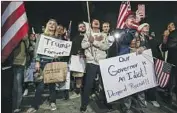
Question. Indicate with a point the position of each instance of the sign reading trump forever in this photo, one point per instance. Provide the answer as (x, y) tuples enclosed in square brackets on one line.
[(53, 47)]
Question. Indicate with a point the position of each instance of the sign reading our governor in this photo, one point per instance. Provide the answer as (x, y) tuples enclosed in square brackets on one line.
[(127, 74), (53, 47)]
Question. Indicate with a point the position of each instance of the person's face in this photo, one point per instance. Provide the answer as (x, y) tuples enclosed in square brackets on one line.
[(51, 25), (60, 30), (130, 21), (171, 27), (81, 28), (32, 37), (96, 24), (106, 27), (145, 28)]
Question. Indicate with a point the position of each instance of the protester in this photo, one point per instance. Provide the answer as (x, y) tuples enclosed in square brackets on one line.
[(106, 28), (41, 61), (170, 45), (32, 44), (144, 41), (95, 45), (59, 34), (77, 50), (19, 62), (121, 45)]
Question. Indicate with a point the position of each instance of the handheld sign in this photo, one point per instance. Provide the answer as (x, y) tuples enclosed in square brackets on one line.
[(53, 47), (127, 74)]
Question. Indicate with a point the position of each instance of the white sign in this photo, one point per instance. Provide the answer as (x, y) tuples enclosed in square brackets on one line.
[(127, 74), (65, 85), (77, 64), (53, 47)]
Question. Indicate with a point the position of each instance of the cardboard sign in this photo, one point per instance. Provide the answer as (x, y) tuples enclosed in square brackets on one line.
[(127, 74), (65, 85), (53, 47), (55, 72), (77, 64)]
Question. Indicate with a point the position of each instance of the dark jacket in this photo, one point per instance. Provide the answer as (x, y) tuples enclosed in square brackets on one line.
[(122, 44), (171, 47), (76, 45)]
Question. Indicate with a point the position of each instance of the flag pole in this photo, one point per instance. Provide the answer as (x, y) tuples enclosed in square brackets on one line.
[(33, 30), (88, 12)]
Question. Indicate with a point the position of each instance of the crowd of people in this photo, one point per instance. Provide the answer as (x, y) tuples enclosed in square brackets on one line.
[(96, 45)]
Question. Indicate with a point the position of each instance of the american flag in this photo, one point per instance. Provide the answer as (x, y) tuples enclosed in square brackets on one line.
[(14, 26), (125, 8), (162, 70)]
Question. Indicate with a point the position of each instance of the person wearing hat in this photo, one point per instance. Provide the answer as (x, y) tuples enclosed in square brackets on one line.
[(142, 42), (124, 42)]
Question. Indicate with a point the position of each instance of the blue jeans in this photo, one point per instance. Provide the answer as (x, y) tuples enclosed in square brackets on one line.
[(17, 86), (40, 89)]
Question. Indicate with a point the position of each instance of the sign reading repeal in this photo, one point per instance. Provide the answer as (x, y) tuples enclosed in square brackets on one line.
[(53, 47), (127, 74)]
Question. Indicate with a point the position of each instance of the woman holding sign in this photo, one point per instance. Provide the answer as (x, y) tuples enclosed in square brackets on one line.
[(41, 61)]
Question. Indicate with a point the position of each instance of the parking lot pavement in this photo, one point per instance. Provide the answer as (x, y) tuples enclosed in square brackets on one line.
[(95, 106)]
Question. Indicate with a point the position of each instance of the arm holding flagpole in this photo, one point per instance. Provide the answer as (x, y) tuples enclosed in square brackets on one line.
[(90, 38)]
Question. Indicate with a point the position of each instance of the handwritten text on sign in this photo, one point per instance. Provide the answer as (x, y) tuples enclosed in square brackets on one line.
[(53, 47), (127, 74)]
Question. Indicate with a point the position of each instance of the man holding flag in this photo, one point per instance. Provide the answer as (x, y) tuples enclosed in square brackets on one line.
[(14, 28)]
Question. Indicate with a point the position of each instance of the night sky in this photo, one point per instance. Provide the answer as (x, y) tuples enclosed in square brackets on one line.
[(38, 12)]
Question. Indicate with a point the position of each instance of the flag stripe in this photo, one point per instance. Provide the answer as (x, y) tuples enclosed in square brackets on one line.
[(12, 18), (163, 79), (162, 70), (9, 10), (122, 17), (124, 9), (159, 66), (14, 41), (4, 6), (13, 30), (166, 81)]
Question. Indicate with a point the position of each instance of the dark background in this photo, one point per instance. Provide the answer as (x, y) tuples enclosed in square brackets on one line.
[(158, 14)]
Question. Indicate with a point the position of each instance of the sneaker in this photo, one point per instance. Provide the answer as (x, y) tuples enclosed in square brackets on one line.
[(53, 106), (17, 110), (31, 110), (74, 96), (83, 109), (25, 92), (155, 103)]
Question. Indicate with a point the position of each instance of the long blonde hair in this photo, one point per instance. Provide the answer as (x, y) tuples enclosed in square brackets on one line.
[(47, 32)]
